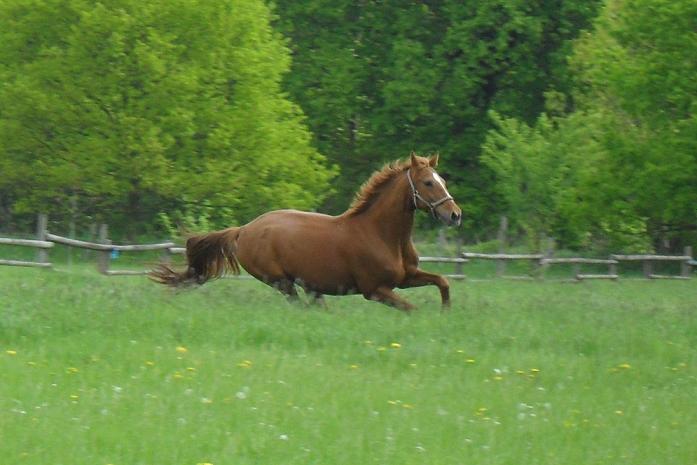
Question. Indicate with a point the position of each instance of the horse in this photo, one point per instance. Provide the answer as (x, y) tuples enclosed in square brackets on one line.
[(368, 249)]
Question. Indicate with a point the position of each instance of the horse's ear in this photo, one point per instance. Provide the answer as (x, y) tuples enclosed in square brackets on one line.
[(433, 160), (414, 160)]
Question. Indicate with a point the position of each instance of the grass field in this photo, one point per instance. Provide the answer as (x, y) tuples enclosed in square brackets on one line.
[(97, 371)]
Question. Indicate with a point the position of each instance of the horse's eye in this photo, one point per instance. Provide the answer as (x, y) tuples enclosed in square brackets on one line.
[(428, 183)]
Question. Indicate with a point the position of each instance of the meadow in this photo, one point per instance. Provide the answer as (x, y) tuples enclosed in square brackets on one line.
[(97, 371)]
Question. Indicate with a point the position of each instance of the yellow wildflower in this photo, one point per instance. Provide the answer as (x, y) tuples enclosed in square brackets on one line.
[(395, 345), (245, 364), (11, 352), (181, 349)]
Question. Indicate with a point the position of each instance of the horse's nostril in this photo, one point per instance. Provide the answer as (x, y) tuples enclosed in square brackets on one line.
[(454, 217)]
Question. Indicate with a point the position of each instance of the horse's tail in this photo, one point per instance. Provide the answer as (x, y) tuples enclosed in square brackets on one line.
[(208, 256)]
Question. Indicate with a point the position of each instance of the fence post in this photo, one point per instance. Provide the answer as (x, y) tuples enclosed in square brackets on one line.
[(103, 255), (458, 253), (612, 268), (548, 253), (503, 228), (87, 253), (648, 268), (166, 256), (41, 227), (71, 235), (685, 267)]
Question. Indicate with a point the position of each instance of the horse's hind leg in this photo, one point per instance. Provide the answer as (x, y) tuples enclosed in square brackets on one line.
[(287, 288), (317, 299), (388, 297)]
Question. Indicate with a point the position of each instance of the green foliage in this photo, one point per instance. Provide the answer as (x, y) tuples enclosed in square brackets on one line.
[(557, 180), (102, 370), (123, 110), (127, 104), (191, 219), (379, 79), (618, 172), (639, 65)]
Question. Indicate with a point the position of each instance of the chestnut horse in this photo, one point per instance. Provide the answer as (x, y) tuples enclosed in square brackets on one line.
[(367, 249)]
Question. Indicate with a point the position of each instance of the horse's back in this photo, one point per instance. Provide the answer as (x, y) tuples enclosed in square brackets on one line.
[(292, 225)]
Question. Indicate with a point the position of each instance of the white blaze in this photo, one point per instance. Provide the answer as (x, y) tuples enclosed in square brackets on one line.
[(440, 181)]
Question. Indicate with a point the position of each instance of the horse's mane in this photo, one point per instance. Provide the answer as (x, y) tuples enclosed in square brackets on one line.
[(374, 186)]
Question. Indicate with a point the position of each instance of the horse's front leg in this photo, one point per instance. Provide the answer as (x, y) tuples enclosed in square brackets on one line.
[(389, 297), (424, 278)]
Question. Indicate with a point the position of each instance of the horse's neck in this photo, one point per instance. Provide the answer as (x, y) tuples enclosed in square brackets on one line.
[(391, 215)]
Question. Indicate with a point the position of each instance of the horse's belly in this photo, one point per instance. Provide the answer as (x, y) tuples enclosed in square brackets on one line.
[(308, 248), (328, 284), (321, 269)]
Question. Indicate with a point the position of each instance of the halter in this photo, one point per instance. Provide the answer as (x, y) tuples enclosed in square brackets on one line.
[(431, 205)]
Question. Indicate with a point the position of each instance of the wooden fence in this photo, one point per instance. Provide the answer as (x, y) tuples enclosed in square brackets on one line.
[(542, 262), (45, 241)]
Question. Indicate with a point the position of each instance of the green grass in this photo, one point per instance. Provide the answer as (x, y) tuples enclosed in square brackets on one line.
[(516, 373)]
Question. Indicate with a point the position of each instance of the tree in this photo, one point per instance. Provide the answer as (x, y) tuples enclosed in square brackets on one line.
[(639, 65), (379, 79), (628, 154), (129, 106), (557, 179)]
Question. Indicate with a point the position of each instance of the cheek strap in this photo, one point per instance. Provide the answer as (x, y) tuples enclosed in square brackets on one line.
[(416, 196)]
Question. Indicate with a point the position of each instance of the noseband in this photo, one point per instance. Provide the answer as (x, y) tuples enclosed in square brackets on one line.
[(416, 196)]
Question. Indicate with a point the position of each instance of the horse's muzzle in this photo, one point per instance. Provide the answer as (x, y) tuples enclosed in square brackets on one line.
[(455, 219), (451, 216)]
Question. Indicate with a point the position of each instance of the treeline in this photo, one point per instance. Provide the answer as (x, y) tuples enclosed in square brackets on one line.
[(574, 118), (612, 163), (149, 113)]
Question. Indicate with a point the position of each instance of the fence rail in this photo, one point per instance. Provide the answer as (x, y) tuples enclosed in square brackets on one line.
[(579, 261), (540, 262), (648, 260), (644, 258), (26, 243), (502, 256), (109, 247), (25, 263)]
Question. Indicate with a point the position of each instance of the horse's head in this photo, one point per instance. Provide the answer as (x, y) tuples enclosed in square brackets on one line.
[(429, 192)]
